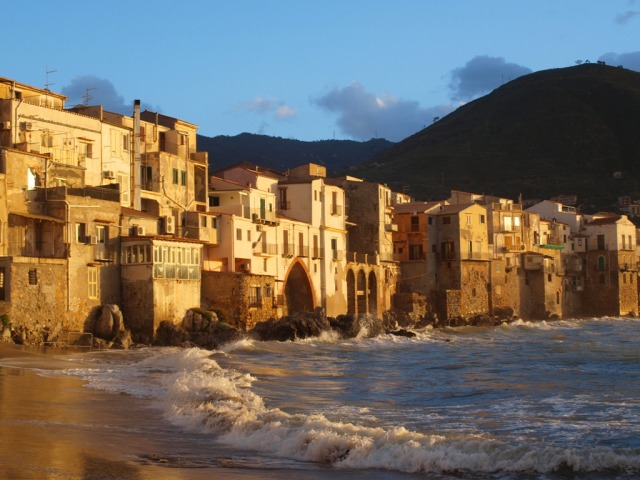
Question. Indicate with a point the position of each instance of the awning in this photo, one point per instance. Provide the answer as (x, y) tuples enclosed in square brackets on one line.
[(34, 216), (549, 246)]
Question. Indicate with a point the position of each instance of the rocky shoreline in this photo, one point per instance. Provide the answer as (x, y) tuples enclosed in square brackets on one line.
[(105, 329)]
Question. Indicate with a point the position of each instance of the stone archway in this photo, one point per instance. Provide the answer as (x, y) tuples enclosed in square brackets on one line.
[(351, 293), (373, 294), (298, 291)]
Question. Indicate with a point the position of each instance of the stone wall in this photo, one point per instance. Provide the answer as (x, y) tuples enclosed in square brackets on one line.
[(229, 293), (137, 306), (41, 302), (475, 295)]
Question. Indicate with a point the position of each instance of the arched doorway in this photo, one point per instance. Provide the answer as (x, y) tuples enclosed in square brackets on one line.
[(351, 293), (373, 294), (298, 291)]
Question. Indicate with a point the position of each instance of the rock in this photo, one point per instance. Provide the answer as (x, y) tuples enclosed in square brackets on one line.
[(6, 336), (123, 341), (403, 333), (170, 335), (109, 322), (196, 320), (352, 326), (297, 326)]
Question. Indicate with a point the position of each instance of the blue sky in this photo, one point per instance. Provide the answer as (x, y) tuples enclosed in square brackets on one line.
[(305, 69)]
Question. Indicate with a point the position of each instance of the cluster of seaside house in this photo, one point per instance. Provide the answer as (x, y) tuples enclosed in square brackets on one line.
[(101, 208)]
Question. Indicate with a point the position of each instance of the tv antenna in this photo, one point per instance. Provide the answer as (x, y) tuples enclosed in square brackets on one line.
[(86, 98), (46, 73)]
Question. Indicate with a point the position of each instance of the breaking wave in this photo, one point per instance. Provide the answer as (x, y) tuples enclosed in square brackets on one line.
[(199, 395)]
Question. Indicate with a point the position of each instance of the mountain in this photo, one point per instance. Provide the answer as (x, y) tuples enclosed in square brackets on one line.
[(573, 130), (280, 153)]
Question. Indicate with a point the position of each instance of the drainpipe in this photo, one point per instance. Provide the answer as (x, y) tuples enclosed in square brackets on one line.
[(137, 164)]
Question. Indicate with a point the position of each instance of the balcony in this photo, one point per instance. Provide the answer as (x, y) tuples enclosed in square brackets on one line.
[(336, 210), (478, 256), (390, 227), (199, 157), (337, 255), (317, 252), (267, 249), (259, 215)]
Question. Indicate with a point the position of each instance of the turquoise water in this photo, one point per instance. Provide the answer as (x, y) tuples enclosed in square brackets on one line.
[(544, 400)]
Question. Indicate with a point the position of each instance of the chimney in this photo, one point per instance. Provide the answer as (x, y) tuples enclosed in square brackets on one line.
[(137, 170)]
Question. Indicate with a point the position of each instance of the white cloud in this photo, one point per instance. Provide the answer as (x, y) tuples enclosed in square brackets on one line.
[(481, 75), (364, 115), (269, 106), (93, 90), (283, 112), (630, 60)]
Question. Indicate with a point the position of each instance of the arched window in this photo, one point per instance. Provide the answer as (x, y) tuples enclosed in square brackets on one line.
[(602, 263)]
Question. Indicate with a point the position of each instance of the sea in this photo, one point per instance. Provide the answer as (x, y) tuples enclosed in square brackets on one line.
[(522, 401)]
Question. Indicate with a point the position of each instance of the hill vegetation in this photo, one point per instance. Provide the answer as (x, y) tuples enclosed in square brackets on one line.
[(281, 154), (564, 131), (569, 131)]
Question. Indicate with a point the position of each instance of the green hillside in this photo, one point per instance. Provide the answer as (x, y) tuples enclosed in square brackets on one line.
[(551, 132), (280, 153)]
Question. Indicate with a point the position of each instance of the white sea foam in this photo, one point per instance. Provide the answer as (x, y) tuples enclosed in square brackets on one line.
[(202, 396)]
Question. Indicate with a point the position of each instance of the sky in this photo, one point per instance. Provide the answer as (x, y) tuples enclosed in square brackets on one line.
[(305, 69)]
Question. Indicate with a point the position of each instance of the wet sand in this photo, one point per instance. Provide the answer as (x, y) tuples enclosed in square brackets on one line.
[(52, 427)]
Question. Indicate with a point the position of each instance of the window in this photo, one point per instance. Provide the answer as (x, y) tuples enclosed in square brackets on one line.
[(415, 223), (446, 220), (334, 248), (238, 234), (285, 242), (248, 235), (448, 251), (468, 218), (203, 221), (508, 224), (125, 142), (602, 265), (214, 201), (33, 276), (284, 204), (516, 221), (183, 178), (415, 252), (482, 220), (92, 282), (123, 181), (316, 249), (46, 139), (32, 179), (101, 234), (255, 296), (430, 220), (601, 245), (301, 244), (81, 232), (175, 176)]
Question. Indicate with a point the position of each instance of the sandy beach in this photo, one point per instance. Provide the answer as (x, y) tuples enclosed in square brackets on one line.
[(53, 427)]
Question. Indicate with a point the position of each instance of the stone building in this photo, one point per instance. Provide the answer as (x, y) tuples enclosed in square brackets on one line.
[(373, 267), (611, 283), (462, 275)]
